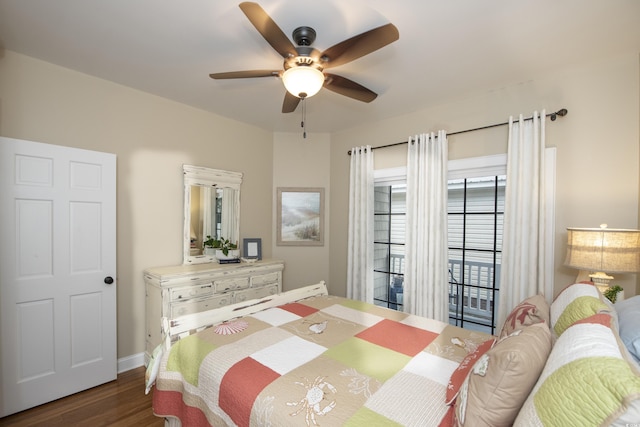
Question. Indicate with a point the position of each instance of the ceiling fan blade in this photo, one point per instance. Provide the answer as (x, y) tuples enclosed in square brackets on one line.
[(359, 46), (268, 29), (346, 87), (290, 103), (245, 74)]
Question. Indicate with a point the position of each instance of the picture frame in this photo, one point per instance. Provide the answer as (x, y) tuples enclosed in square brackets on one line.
[(300, 216), (252, 248)]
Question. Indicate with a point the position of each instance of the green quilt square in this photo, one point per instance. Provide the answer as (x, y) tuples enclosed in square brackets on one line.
[(374, 309), (368, 359), (356, 305), (367, 417), (186, 356)]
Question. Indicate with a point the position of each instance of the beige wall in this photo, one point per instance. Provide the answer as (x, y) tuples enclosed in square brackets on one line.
[(597, 149), (597, 178), (300, 162), (152, 138)]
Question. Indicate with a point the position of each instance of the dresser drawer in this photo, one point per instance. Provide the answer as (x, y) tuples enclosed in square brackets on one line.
[(190, 307), (189, 292), (265, 279), (233, 284), (254, 293)]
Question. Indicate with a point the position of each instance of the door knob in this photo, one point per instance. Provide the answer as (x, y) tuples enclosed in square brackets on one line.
[(108, 280)]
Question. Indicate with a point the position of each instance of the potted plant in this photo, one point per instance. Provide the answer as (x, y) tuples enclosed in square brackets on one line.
[(224, 249), (612, 293), (210, 245)]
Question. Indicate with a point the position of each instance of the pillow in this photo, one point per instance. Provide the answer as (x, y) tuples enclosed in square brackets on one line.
[(586, 381), (629, 324), (458, 376), (612, 311), (156, 355), (578, 309), (152, 368), (569, 294), (503, 377), (532, 310)]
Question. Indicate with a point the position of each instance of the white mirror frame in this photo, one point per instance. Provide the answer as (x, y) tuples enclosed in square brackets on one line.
[(206, 177)]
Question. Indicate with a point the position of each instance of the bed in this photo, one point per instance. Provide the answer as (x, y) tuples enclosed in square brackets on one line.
[(306, 358)]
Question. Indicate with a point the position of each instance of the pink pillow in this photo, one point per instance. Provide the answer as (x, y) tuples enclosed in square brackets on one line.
[(460, 374)]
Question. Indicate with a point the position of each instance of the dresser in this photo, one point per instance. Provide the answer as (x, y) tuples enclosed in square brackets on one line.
[(185, 289)]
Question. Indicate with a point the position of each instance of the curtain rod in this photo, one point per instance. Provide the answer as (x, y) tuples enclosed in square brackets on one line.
[(553, 116)]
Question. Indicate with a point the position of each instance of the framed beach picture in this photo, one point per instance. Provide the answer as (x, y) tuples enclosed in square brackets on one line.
[(300, 217)]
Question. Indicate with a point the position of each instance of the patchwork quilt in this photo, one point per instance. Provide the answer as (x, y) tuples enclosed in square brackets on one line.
[(325, 360)]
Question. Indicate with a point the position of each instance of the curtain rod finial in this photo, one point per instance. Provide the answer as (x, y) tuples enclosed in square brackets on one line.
[(562, 112)]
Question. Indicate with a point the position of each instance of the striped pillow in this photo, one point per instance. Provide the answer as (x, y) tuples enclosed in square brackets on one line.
[(587, 381), (575, 302)]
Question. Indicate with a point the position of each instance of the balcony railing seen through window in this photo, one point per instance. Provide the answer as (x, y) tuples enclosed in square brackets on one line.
[(475, 212)]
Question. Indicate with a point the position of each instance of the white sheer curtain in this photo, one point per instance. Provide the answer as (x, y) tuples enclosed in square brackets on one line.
[(525, 269), (426, 283), (360, 238), (207, 210), (229, 221)]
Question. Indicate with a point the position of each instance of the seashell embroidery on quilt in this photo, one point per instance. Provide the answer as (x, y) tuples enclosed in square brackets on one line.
[(467, 344), (229, 328), (360, 383), (318, 328)]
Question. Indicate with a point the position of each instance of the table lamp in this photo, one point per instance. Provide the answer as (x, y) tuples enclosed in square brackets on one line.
[(600, 250)]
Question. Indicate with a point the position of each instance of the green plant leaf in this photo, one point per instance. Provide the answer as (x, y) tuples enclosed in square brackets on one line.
[(612, 293)]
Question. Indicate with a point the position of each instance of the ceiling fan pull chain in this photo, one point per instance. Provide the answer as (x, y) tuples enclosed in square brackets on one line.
[(304, 118)]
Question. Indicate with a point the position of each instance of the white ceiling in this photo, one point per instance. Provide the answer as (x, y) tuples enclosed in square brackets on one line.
[(447, 48)]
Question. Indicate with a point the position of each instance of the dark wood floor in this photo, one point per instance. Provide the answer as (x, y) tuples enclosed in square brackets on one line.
[(118, 403)]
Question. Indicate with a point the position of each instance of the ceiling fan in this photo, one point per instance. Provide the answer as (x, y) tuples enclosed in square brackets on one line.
[(303, 71)]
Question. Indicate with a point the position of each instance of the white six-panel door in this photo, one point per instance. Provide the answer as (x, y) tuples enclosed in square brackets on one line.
[(57, 257)]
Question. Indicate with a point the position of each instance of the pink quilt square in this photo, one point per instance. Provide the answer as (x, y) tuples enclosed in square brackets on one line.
[(299, 309), (241, 385), (399, 337)]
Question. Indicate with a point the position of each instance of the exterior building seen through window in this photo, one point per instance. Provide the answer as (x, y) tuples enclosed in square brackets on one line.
[(475, 223)]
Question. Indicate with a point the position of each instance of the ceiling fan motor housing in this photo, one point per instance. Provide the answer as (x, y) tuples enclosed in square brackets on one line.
[(301, 61), (304, 36)]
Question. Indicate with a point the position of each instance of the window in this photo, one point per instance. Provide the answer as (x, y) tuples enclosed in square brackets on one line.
[(475, 211), (389, 236), (475, 222)]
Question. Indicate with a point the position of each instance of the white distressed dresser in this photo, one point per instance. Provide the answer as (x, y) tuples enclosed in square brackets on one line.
[(185, 289)]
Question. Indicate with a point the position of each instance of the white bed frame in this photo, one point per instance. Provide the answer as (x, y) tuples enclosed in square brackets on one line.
[(174, 328)]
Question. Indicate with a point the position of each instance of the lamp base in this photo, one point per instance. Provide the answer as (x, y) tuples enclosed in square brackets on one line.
[(601, 280)]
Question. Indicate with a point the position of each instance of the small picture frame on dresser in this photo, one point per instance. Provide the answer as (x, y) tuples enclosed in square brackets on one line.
[(252, 248)]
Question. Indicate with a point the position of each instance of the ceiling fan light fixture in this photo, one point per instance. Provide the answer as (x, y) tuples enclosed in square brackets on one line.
[(303, 81)]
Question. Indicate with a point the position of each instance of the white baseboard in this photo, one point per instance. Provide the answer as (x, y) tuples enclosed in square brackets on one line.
[(130, 362)]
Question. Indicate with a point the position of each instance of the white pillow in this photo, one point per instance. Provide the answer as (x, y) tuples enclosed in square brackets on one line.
[(153, 368)]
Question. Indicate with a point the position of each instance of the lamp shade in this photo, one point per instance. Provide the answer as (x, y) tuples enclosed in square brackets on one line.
[(603, 249), (303, 81)]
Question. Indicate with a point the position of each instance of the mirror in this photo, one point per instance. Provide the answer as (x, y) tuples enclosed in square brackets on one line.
[(211, 208)]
